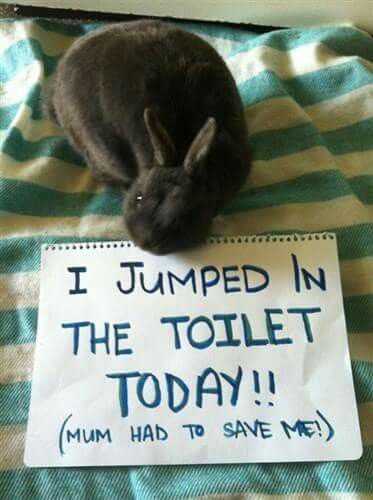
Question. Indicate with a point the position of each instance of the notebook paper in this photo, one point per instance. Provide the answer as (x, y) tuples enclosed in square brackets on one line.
[(233, 352)]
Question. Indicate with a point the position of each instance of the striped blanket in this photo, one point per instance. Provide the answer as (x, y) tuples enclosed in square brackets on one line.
[(309, 104)]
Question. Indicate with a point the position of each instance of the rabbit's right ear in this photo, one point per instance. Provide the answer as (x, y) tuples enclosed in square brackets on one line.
[(163, 147), (200, 147)]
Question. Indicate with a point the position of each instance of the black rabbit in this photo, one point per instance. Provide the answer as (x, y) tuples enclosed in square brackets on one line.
[(155, 109)]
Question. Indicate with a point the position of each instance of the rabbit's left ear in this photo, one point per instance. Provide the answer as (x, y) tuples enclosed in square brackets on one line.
[(163, 147), (200, 146)]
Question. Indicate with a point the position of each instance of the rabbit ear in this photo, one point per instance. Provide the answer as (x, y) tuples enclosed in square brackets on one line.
[(164, 149), (200, 146)]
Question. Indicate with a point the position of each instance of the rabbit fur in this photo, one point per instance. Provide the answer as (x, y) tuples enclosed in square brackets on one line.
[(154, 109)]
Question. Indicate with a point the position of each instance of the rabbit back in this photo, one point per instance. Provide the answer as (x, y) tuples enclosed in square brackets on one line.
[(108, 77)]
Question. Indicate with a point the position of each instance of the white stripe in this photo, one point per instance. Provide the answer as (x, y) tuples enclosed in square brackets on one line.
[(305, 59), (357, 276), (15, 90), (222, 45), (12, 443), (93, 226), (316, 159), (52, 43), (12, 439), (312, 217), (366, 422), (16, 361), (32, 130), (50, 173), (357, 163), (274, 114), (19, 290), (344, 110), (284, 112), (361, 347), (340, 212)]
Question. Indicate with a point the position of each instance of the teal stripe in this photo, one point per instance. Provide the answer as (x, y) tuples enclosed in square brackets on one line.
[(20, 149), (30, 199), (354, 242), (66, 28), (18, 326), (221, 32), (315, 187), (362, 186), (14, 403), (171, 482), (357, 137), (328, 83), (308, 89), (350, 42), (346, 41), (23, 254), (7, 115), (22, 53), (33, 100), (363, 376), (265, 85), (272, 144), (359, 313)]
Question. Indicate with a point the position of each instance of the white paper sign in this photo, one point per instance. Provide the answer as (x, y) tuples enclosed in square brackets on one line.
[(234, 352)]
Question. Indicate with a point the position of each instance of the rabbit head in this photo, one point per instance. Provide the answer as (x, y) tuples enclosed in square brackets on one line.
[(168, 207)]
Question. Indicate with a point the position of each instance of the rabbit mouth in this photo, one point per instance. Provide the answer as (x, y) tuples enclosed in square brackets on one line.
[(162, 247), (156, 246), (168, 244)]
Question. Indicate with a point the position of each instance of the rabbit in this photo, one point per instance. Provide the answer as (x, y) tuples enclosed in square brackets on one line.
[(155, 110)]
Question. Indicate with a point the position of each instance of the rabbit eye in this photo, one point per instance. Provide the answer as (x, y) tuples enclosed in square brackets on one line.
[(138, 198)]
